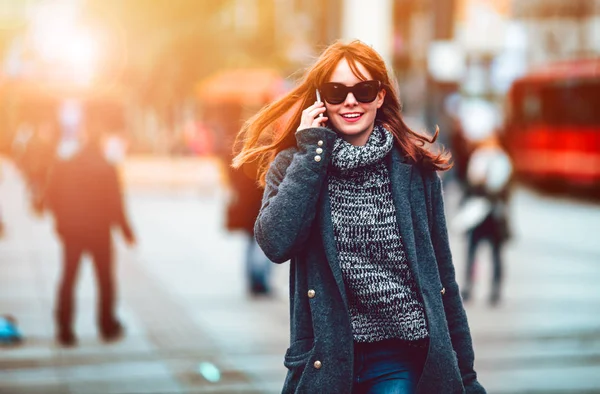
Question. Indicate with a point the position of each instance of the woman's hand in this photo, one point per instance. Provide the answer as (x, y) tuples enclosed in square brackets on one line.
[(311, 116)]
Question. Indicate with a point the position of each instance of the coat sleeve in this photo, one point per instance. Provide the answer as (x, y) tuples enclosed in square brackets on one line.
[(453, 307), (292, 189)]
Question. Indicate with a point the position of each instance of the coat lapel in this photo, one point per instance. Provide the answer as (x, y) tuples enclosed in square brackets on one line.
[(401, 179), (326, 226)]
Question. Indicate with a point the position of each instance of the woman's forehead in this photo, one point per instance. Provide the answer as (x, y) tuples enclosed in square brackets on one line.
[(349, 72)]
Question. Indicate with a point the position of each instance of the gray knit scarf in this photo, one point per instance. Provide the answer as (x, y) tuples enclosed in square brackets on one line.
[(382, 294), (349, 157)]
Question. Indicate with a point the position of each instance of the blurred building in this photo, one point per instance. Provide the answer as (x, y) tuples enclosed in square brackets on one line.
[(559, 29), (156, 52), (283, 33)]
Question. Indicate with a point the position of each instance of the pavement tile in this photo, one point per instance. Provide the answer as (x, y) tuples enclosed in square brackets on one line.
[(29, 376), (32, 388), (132, 386), (559, 379), (32, 350)]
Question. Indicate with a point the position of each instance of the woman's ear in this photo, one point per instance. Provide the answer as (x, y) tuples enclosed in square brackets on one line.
[(380, 97)]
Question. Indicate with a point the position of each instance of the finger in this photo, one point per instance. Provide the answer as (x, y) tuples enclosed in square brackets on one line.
[(309, 117), (312, 107), (320, 122), (315, 112)]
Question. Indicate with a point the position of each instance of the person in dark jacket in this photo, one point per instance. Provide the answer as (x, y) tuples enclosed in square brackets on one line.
[(85, 197), (353, 199), (242, 211)]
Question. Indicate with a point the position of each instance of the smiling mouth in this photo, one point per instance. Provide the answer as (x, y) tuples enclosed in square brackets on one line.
[(353, 117)]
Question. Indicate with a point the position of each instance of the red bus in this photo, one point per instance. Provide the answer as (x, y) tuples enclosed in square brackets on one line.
[(553, 125)]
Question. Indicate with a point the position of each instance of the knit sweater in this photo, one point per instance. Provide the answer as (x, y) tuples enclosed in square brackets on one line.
[(381, 291)]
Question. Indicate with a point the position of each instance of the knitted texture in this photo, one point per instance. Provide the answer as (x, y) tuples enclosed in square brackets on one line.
[(382, 294)]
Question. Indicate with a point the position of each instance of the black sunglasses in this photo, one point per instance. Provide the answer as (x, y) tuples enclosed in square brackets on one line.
[(336, 93)]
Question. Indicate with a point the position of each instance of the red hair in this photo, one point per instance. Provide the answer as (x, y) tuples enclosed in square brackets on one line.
[(272, 129)]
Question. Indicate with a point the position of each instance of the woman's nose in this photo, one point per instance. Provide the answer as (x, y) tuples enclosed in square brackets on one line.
[(350, 100)]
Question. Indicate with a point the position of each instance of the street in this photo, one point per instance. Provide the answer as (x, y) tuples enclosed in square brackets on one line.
[(185, 307)]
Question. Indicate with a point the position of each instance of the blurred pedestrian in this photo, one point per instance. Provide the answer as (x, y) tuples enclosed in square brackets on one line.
[(85, 196), (353, 199), (242, 211), (244, 199), (38, 156), (461, 151), (489, 178)]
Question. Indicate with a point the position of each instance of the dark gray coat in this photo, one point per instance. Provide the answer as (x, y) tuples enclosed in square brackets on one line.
[(295, 224)]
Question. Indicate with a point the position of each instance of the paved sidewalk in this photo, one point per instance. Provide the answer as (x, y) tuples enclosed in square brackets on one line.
[(184, 304)]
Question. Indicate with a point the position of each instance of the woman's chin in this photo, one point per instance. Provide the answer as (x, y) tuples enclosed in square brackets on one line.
[(354, 136), (350, 130)]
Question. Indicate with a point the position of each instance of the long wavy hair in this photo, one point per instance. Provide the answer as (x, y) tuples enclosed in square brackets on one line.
[(272, 129)]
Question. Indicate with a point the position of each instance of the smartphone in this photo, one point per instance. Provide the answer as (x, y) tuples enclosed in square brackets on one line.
[(319, 100)]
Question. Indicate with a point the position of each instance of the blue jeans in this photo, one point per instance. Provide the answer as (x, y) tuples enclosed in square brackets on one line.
[(258, 268), (389, 367)]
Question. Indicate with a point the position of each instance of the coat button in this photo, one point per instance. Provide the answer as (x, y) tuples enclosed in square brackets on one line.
[(443, 291), (320, 143), (311, 293), (319, 151), (318, 364), (317, 158)]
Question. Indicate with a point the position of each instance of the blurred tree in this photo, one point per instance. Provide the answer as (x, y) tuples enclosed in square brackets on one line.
[(12, 23), (158, 46), (169, 45), (160, 49)]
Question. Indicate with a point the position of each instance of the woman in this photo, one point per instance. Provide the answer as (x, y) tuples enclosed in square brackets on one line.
[(353, 200)]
